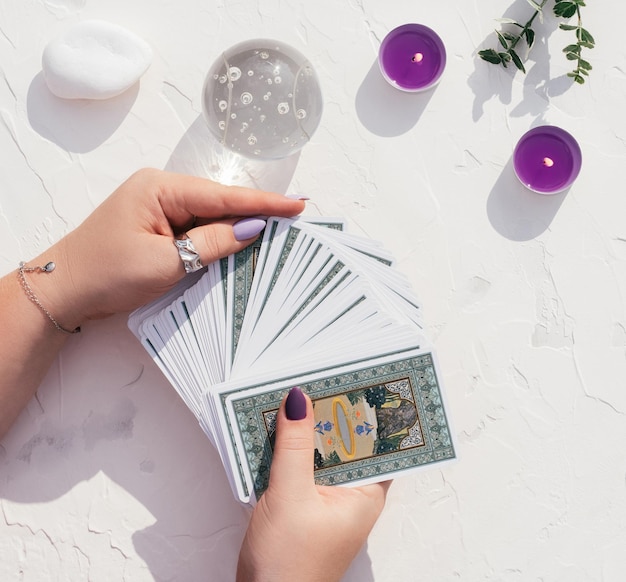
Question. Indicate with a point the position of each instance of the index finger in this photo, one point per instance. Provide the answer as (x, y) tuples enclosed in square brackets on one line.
[(184, 197)]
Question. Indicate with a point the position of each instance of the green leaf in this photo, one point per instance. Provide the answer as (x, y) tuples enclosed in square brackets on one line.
[(563, 26), (509, 36), (509, 21), (517, 61), (504, 59), (572, 48), (502, 40), (571, 56), (578, 78), (585, 36), (490, 56), (583, 64), (530, 37), (565, 9)]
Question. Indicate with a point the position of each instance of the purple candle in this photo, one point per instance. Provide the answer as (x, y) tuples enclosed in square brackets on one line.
[(547, 159), (412, 57)]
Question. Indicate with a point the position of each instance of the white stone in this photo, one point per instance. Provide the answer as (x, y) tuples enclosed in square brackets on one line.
[(95, 60)]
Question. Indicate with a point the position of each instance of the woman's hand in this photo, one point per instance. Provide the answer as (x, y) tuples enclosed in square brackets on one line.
[(300, 531), (123, 255)]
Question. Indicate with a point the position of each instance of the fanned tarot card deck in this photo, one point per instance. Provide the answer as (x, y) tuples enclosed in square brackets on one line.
[(306, 305)]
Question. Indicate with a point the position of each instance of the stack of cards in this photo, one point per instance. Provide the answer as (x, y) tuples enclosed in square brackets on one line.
[(307, 305)]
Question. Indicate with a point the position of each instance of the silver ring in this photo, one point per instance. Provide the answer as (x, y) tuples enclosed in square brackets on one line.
[(188, 254)]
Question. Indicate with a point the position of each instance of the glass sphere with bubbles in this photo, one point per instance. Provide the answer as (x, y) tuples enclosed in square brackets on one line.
[(262, 99)]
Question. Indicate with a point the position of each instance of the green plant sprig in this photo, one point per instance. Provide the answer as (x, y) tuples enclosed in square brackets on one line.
[(583, 38), (507, 52), (509, 41)]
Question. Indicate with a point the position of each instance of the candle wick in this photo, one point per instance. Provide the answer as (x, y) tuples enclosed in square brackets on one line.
[(417, 58), (548, 162)]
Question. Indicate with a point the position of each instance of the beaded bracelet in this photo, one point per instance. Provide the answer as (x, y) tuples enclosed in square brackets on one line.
[(47, 268)]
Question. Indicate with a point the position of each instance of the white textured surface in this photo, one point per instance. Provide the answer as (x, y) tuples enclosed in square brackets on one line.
[(106, 477)]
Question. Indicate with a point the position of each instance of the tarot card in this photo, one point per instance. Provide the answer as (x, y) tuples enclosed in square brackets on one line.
[(309, 305), (140, 314), (373, 421), (242, 267)]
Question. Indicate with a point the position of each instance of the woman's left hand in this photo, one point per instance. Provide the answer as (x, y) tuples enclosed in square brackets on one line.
[(124, 256)]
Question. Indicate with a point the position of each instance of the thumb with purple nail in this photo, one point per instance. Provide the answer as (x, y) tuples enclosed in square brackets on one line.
[(299, 530)]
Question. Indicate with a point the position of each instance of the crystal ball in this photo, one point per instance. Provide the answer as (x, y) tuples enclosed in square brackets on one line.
[(262, 99)]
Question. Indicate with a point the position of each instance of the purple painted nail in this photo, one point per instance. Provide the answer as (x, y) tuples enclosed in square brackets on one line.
[(248, 228), (297, 197), (295, 407)]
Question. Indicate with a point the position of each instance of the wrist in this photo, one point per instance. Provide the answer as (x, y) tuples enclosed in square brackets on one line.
[(22, 270), (47, 282), (28, 343)]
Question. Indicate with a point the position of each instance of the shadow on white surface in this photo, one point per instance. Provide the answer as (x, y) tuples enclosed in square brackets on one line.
[(76, 125), (108, 447), (385, 110), (361, 568), (198, 153), (489, 81), (108, 460), (517, 213)]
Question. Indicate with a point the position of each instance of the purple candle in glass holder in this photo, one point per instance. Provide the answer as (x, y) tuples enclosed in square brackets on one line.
[(412, 57), (547, 159)]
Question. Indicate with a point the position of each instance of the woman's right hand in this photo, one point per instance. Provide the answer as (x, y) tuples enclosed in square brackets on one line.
[(299, 531)]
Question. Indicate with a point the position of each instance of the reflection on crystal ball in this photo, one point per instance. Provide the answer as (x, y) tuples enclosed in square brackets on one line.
[(262, 99)]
